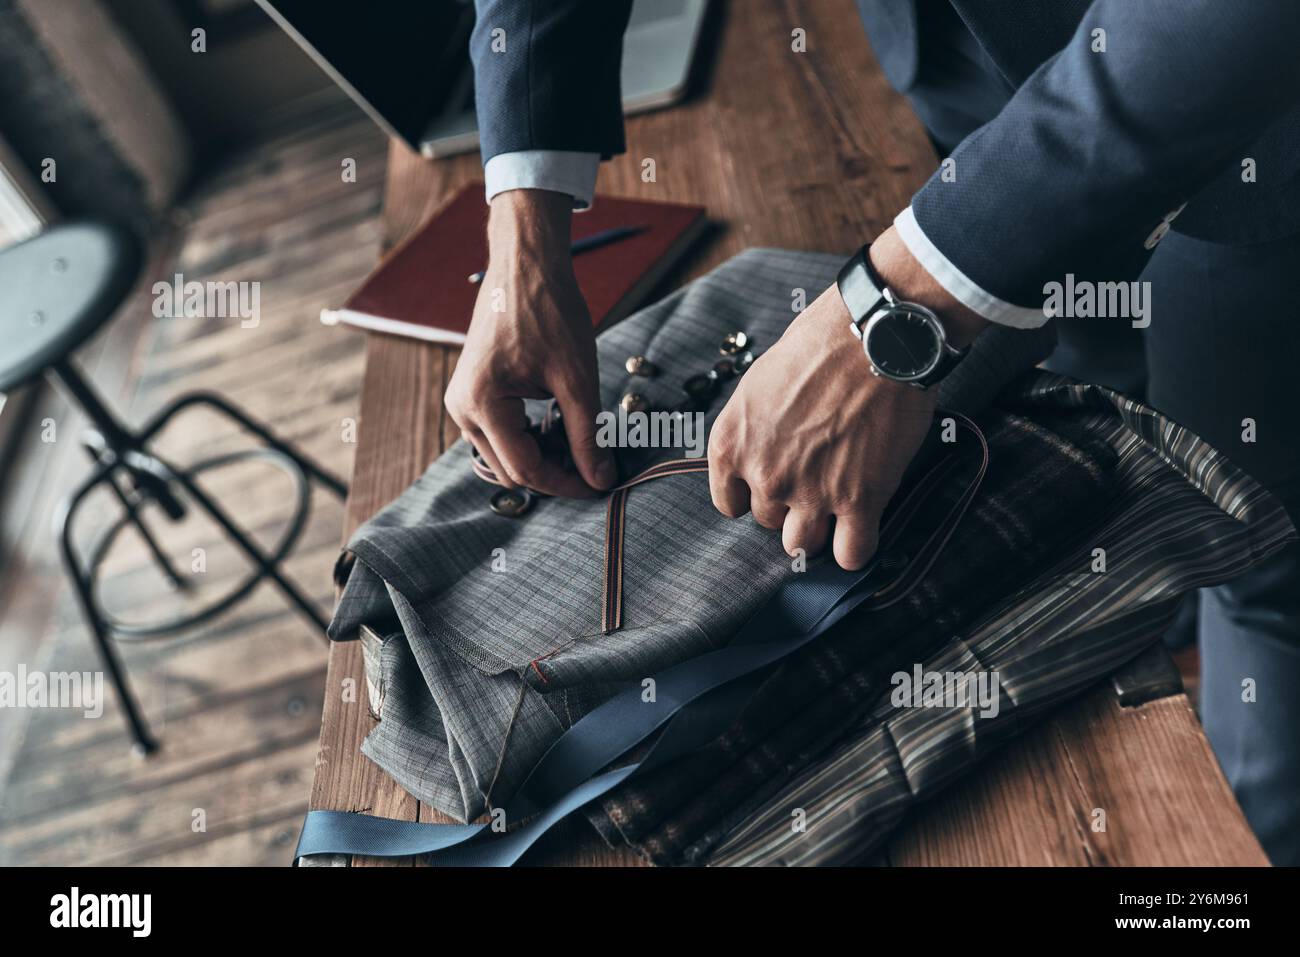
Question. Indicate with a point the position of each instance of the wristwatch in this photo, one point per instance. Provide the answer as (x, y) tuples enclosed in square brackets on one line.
[(904, 341)]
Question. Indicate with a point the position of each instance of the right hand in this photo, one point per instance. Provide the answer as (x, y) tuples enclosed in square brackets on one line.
[(531, 338)]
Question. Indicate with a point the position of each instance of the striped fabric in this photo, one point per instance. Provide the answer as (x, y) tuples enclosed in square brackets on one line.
[(1184, 517)]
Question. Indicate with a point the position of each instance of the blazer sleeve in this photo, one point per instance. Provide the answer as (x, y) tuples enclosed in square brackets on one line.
[(546, 75), (1097, 150)]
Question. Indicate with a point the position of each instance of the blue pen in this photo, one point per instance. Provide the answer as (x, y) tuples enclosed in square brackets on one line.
[(595, 240)]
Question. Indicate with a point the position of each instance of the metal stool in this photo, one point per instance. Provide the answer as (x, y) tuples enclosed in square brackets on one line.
[(56, 290)]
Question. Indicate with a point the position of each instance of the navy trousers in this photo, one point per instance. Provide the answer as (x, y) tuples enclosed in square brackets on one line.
[(1219, 356)]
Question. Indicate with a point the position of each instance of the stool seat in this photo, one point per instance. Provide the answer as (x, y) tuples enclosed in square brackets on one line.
[(56, 290)]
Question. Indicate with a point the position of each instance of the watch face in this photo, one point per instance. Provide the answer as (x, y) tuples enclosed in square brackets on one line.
[(904, 342)]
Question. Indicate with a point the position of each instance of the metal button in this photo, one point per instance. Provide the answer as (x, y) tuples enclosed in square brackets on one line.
[(634, 403), (724, 369), (701, 386), (735, 342), (743, 362), (640, 365), (512, 502)]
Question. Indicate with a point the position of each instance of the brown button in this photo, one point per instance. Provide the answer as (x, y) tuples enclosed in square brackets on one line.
[(512, 502), (735, 342), (634, 403), (640, 365)]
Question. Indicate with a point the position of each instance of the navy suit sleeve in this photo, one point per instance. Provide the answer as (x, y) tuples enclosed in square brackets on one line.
[(546, 75), (1097, 148)]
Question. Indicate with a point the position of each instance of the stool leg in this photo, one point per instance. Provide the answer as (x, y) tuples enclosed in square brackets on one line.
[(250, 548), (327, 479), (334, 484), (159, 556), (144, 741)]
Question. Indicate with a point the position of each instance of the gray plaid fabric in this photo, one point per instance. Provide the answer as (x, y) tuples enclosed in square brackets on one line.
[(482, 669), (1183, 517)]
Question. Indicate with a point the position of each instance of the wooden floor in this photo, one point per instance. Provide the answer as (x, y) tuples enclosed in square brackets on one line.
[(237, 704)]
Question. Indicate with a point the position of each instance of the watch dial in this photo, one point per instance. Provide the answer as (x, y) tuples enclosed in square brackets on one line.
[(902, 344)]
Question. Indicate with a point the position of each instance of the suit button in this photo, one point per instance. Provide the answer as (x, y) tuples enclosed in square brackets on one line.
[(512, 502), (733, 343), (700, 387), (640, 365), (634, 403)]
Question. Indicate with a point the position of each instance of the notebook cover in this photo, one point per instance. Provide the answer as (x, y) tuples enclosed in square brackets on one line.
[(422, 287)]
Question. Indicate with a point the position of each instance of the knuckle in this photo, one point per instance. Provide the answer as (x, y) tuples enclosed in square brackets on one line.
[(721, 448), (768, 484)]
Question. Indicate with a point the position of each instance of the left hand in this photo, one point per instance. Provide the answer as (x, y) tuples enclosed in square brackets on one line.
[(812, 443)]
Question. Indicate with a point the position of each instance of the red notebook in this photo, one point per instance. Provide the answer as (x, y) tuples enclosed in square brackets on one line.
[(422, 287)]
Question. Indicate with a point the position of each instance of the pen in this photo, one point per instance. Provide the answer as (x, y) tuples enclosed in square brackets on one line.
[(594, 241)]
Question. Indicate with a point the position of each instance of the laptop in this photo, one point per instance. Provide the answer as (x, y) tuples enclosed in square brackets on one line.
[(407, 64)]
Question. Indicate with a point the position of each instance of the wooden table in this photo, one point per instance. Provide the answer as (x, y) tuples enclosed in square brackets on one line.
[(813, 151)]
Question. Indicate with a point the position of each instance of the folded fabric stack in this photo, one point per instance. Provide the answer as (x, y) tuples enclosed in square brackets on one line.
[(492, 645)]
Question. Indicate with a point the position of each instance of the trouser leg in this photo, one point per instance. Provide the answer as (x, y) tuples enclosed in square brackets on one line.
[(1220, 352)]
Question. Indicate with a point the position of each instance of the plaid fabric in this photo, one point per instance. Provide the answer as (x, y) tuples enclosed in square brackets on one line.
[(1181, 517), (484, 667), (1040, 490)]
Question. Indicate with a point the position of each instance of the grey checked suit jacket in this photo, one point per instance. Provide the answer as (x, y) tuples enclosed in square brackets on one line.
[(482, 669)]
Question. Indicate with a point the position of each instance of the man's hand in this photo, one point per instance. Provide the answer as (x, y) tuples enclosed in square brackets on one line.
[(811, 442), (530, 337)]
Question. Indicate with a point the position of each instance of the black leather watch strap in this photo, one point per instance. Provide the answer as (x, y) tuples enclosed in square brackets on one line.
[(947, 362), (860, 286)]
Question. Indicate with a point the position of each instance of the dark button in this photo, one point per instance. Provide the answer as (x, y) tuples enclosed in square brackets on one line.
[(634, 403), (640, 365), (743, 362), (733, 343), (512, 502), (724, 369), (701, 386)]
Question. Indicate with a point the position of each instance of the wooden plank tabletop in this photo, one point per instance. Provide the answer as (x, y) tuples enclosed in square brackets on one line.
[(814, 151)]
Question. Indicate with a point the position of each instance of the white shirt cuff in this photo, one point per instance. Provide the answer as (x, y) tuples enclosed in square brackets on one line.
[(560, 171), (957, 283)]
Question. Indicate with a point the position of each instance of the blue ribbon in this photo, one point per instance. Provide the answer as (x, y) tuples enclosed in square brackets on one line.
[(698, 699)]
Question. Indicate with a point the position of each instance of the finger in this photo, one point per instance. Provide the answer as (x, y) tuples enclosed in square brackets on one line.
[(505, 428), (855, 538), (578, 409), (768, 512), (806, 529), (484, 448), (730, 494)]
